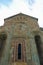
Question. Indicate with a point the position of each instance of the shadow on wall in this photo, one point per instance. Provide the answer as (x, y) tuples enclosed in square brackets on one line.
[(38, 45), (3, 37)]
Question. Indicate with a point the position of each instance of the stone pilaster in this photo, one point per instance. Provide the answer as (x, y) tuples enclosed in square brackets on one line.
[(35, 58)]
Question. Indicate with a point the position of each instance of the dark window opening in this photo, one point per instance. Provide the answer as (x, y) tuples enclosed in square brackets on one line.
[(19, 51)]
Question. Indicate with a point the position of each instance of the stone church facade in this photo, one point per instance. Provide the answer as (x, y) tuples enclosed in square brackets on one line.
[(21, 41)]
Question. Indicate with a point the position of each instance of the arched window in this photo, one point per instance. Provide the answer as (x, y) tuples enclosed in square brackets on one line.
[(38, 45), (19, 51)]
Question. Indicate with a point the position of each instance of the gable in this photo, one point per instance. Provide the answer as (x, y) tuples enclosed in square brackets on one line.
[(22, 20), (21, 14), (19, 17)]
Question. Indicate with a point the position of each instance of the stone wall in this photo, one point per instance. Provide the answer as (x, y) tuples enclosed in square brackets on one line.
[(21, 27)]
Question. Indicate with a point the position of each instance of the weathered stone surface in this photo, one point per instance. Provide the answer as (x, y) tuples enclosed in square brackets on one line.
[(21, 29)]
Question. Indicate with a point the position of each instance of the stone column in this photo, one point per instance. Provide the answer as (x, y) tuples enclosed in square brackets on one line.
[(34, 53), (6, 55)]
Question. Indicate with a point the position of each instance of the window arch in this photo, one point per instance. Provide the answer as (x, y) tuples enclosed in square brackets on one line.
[(19, 51)]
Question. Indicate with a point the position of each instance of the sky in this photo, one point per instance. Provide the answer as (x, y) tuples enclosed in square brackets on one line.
[(30, 7)]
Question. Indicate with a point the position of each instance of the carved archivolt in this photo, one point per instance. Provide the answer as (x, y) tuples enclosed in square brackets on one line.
[(14, 46)]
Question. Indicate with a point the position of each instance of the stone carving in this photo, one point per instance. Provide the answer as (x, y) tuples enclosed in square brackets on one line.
[(20, 28)]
